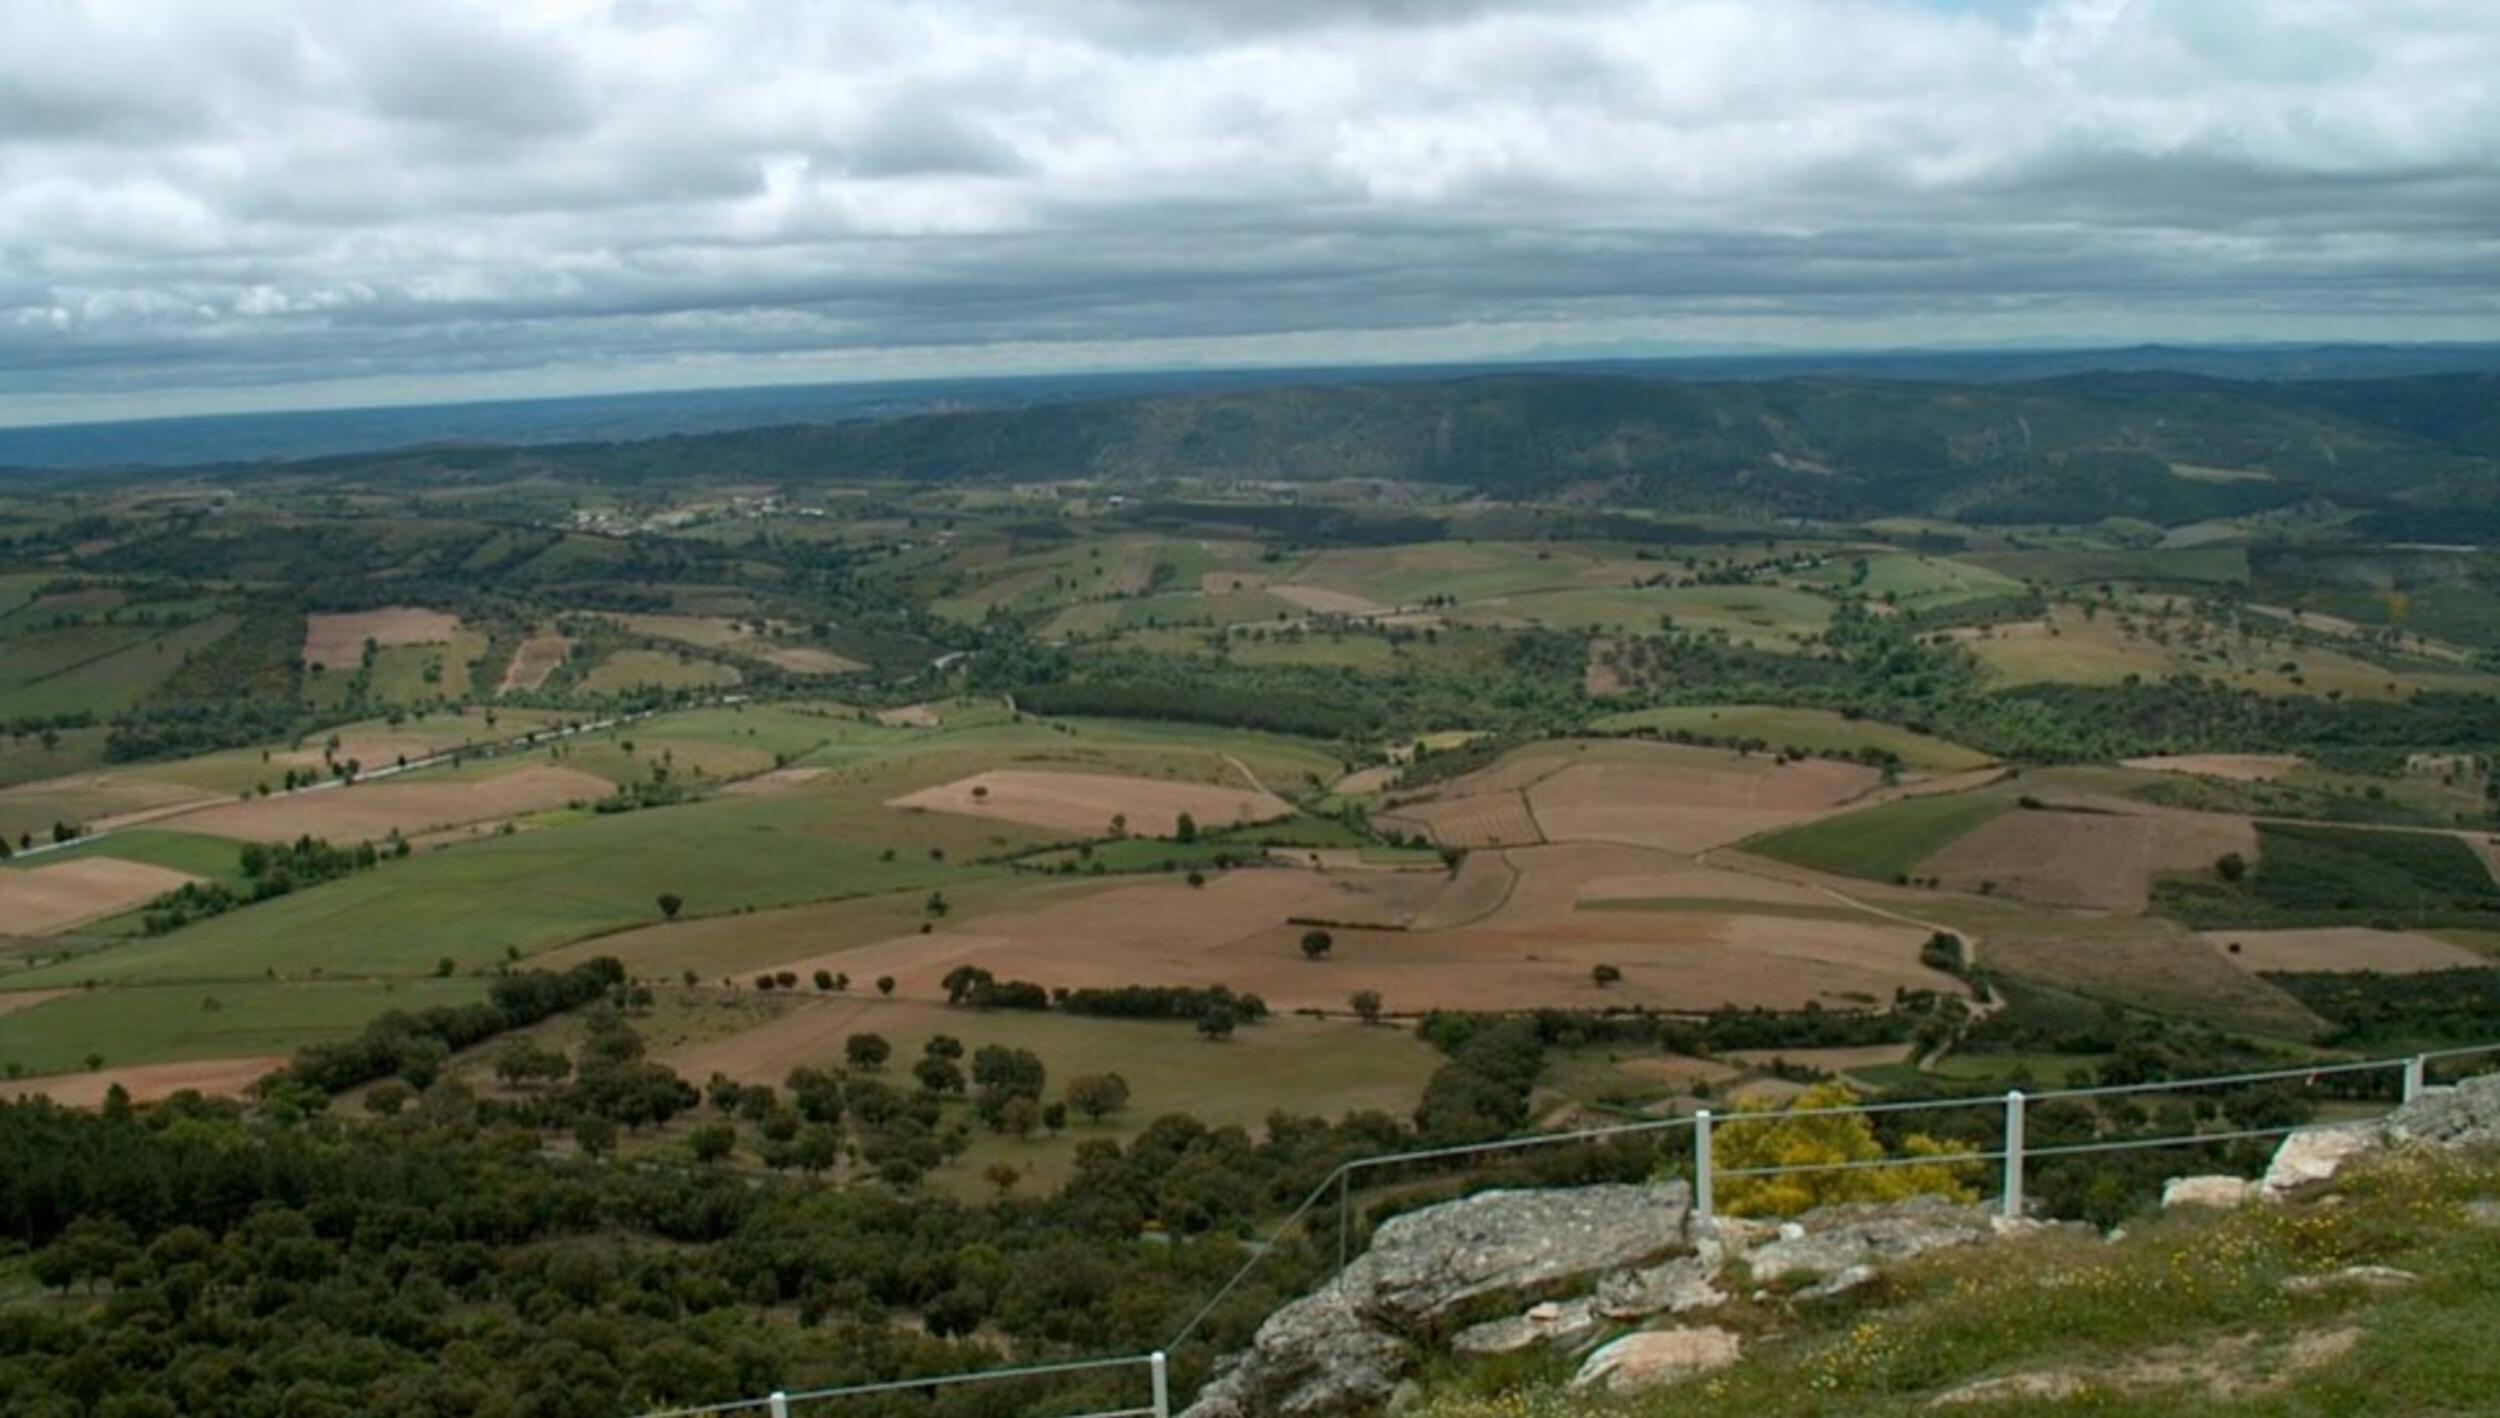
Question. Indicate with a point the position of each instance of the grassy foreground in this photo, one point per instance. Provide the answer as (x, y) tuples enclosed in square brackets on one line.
[(2184, 1313)]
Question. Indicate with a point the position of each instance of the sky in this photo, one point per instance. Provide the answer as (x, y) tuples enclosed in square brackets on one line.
[(258, 204)]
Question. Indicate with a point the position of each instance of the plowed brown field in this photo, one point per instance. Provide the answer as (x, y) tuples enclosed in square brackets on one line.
[(41, 900), (1086, 802), (2341, 948), (147, 1083), (2105, 860), (371, 811), (338, 641)]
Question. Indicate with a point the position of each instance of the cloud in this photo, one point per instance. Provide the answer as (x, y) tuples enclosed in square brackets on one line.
[(243, 202)]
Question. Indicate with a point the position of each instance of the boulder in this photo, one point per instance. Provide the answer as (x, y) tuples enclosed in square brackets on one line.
[(1559, 1326), (2221, 1191), (2317, 1155), (1853, 1278), (2051, 1386), (1426, 1263), (1839, 1238), (2463, 1116), (1655, 1357), (2351, 1277), (1677, 1286), (1346, 1346)]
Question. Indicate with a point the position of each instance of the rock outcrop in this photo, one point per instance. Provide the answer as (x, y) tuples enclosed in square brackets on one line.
[(1346, 1346), (1837, 1239), (1581, 1265), (1652, 1357), (2466, 1115)]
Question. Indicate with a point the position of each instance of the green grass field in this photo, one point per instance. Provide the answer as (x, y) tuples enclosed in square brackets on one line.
[(525, 892), (162, 1024), (1882, 843), (95, 668), (212, 858), (1816, 730), (1768, 616), (1917, 583)]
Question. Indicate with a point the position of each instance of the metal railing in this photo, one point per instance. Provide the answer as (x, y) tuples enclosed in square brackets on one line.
[(777, 1404), (2413, 1075)]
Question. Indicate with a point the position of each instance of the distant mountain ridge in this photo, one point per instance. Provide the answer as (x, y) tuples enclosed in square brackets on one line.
[(623, 417), (2419, 454)]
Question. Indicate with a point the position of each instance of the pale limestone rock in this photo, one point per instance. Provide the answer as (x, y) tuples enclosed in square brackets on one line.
[(1656, 1357), (2316, 1156), (2217, 1191), (2351, 1277)]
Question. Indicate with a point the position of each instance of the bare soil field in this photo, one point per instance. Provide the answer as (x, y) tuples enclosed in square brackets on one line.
[(2103, 860), (1319, 600), (536, 659), (1087, 802), (1366, 780), (46, 899), (779, 780), (17, 1001), (1600, 678), (1495, 819), (338, 641), (909, 716), (1528, 949), (148, 1083), (1690, 799), (2237, 767), (2340, 948), (371, 811)]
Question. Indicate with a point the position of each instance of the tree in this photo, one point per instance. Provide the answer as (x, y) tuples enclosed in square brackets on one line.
[(521, 1059), (1780, 1139), (943, 1046), (1185, 828), (712, 1141), (824, 981), (1018, 1116), (867, 1051), (594, 1135), (671, 903), (1366, 1005), (885, 986), (1316, 943), (2231, 866), (938, 1075), (1098, 1095), (1605, 975), (1216, 1024), (1002, 1176), (385, 1099)]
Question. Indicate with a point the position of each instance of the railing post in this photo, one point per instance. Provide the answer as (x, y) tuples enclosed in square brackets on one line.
[(1345, 1223), (2413, 1078), (778, 1404), (1703, 1202), (2014, 1152), (1160, 1373)]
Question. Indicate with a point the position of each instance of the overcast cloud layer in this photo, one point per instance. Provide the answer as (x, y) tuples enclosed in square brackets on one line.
[(255, 203)]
